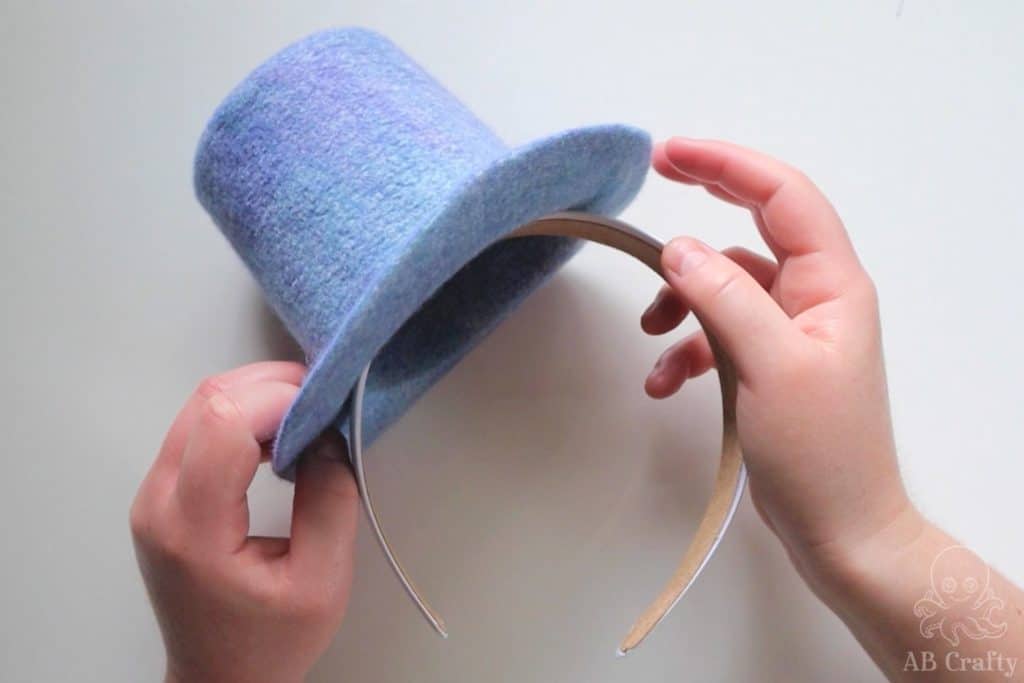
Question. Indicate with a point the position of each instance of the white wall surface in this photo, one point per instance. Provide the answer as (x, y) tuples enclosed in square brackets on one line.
[(539, 498)]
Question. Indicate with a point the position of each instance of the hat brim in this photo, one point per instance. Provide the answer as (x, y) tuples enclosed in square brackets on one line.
[(451, 282)]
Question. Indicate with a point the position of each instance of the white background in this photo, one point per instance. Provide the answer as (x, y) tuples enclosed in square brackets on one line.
[(536, 495)]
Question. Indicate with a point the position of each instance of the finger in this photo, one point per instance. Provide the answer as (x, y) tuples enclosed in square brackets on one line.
[(730, 304), (796, 214), (665, 312), (664, 167), (169, 458), (796, 220), (684, 360), (222, 455), (763, 270), (324, 512), (661, 164), (726, 196)]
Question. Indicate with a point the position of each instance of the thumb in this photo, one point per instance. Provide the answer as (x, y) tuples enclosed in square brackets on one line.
[(325, 511), (750, 326)]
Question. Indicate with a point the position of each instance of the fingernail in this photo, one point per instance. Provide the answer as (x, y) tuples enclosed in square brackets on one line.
[(683, 256)]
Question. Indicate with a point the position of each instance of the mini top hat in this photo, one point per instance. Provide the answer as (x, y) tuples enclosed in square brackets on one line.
[(371, 206)]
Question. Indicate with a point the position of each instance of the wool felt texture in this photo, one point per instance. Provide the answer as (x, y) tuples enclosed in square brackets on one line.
[(370, 205)]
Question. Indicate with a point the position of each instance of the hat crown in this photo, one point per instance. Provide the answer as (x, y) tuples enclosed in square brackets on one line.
[(324, 160)]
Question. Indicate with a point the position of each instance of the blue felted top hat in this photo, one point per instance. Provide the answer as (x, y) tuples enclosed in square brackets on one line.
[(370, 205)]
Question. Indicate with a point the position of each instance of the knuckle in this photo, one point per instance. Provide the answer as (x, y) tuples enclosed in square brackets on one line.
[(679, 242), (725, 284), (210, 386), (866, 290), (798, 180), (221, 408), (139, 520), (146, 517), (801, 178), (172, 547), (157, 530), (159, 540)]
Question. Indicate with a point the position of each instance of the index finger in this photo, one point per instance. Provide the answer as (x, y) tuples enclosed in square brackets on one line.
[(798, 219), (168, 459), (222, 455)]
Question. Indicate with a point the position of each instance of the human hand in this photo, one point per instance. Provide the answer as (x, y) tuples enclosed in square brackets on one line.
[(804, 333), (233, 607)]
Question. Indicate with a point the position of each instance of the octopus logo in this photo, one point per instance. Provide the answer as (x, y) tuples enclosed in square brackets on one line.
[(960, 601)]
